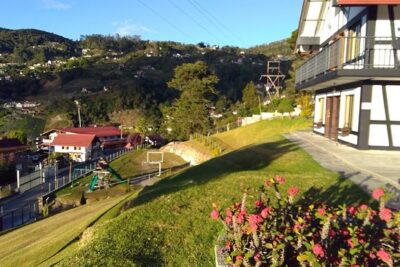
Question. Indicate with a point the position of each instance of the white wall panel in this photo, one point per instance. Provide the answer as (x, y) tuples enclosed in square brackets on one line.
[(383, 26), (378, 135), (378, 107), (393, 95), (396, 135), (351, 138)]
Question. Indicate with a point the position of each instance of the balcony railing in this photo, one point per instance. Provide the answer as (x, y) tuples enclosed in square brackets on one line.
[(355, 53)]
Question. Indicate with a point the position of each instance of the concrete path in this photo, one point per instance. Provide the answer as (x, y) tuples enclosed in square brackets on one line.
[(367, 168)]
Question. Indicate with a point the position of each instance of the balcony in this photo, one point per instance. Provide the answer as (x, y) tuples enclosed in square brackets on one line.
[(350, 59)]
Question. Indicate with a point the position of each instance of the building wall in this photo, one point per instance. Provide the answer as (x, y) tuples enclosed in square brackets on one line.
[(384, 128), (82, 151)]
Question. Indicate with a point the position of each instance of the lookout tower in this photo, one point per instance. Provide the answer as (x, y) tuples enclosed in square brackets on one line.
[(273, 78)]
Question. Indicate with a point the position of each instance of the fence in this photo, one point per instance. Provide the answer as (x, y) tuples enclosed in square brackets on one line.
[(23, 215), (208, 142), (30, 211)]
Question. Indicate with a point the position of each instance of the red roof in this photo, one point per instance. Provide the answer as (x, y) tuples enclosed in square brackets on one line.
[(80, 140), (97, 131), (368, 2)]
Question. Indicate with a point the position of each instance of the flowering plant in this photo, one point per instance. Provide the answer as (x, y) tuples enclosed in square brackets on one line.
[(281, 233)]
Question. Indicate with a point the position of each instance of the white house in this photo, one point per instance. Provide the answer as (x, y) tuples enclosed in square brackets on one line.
[(353, 71), (79, 147)]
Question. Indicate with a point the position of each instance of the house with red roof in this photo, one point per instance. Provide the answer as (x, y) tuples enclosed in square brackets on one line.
[(79, 147), (353, 70), (109, 137)]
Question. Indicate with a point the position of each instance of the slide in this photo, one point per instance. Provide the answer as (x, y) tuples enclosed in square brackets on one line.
[(116, 174), (93, 183)]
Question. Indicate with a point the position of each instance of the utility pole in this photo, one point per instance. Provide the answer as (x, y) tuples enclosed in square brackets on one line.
[(78, 105)]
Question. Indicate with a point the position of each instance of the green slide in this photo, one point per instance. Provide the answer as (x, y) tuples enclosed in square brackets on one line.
[(93, 183), (116, 174)]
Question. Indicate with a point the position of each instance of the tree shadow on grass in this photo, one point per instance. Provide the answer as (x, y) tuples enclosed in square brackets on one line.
[(249, 158), (342, 192)]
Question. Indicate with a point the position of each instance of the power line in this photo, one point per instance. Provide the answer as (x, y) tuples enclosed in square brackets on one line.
[(222, 25), (163, 18), (192, 19), (208, 19)]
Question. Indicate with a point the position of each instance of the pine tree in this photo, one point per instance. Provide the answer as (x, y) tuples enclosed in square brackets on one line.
[(250, 98), (189, 114)]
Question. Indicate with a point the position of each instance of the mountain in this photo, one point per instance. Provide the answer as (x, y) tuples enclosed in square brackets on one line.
[(25, 44)]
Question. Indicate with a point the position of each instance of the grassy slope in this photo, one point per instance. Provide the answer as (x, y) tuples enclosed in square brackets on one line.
[(169, 224), (127, 166), (35, 243)]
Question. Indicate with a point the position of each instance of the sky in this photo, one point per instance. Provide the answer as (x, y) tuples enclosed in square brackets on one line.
[(242, 23)]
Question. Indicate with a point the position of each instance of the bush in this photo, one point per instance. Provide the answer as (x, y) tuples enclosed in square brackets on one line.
[(278, 232)]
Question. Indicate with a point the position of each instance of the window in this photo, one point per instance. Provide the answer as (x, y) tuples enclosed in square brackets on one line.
[(353, 46), (348, 119), (321, 110)]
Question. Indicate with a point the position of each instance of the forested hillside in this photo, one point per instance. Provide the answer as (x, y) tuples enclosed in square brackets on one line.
[(109, 75)]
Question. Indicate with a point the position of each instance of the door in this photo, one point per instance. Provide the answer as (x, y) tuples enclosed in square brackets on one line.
[(332, 117)]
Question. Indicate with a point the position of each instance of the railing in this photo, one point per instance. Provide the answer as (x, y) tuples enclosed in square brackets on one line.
[(29, 212), (351, 53)]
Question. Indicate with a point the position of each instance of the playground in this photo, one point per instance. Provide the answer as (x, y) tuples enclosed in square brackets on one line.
[(109, 179)]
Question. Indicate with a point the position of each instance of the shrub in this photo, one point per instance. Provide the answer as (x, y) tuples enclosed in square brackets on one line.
[(279, 232)]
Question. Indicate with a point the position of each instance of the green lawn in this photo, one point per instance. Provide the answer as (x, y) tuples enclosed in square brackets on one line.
[(169, 223), (42, 241)]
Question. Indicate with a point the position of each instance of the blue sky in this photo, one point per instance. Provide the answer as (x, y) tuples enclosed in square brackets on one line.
[(241, 23)]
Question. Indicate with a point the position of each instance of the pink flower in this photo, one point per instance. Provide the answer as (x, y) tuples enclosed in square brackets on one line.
[(363, 207), (254, 220), (267, 183), (318, 250), (352, 210), (385, 214), (228, 244), (215, 214), (257, 257), (239, 258), (321, 211), (259, 203), (293, 191), (378, 193), (265, 212), (229, 212), (350, 243), (384, 256), (372, 255), (280, 179), (228, 220), (240, 216)]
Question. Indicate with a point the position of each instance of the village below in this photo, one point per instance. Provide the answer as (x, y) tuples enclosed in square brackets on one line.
[(119, 151)]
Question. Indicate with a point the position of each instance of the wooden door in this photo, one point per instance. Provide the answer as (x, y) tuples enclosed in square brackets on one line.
[(332, 117), (328, 115), (335, 117)]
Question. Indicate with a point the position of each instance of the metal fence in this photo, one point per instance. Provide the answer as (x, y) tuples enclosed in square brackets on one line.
[(47, 185), (23, 215), (351, 53)]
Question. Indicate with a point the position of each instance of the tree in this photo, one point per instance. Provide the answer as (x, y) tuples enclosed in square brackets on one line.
[(285, 105), (17, 134), (250, 97), (305, 101), (189, 114)]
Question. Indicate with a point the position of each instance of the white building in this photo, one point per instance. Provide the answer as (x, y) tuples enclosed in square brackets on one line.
[(79, 147), (354, 71)]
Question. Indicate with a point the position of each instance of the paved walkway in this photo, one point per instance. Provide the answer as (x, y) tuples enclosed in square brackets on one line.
[(367, 168)]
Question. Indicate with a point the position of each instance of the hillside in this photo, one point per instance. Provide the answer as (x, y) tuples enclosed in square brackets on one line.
[(28, 44), (168, 224)]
